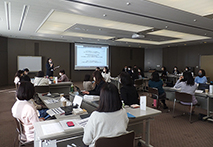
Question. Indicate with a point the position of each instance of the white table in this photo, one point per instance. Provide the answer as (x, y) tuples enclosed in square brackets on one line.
[(41, 140), (204, 99), (141, 117)]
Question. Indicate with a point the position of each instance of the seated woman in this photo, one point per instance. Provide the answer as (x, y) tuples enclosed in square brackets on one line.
[(135, 74), (17, 78), (25, 76), (176, 71), (106, 74), (187, 85), (63, 77), (156, 82), (201, 78), (164, 74), (128, 92), (41, 80), (99, 81), (24, 111), (140, 73), (87, 84), (109, 120)]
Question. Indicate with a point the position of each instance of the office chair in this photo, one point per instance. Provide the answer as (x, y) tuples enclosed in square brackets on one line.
[(20, 129), (138, 83), (154, 94), (186, 98), (125, 140)]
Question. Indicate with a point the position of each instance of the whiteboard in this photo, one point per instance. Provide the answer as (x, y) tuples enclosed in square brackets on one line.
[(33, 63)]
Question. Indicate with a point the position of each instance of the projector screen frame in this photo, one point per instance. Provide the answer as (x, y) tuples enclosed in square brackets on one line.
[(92, 68)]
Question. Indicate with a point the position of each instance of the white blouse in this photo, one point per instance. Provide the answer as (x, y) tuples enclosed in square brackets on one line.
[(28, 115), (106, 76), (105, 124)]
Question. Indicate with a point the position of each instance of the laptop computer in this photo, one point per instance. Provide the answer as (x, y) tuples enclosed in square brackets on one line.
[(203, 86), (79, 91)]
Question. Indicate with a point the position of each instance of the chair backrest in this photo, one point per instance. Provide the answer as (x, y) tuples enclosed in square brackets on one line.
[(19, 127), (125, 140), (153, 91), (42, 89), (183, 97), (138, 82)]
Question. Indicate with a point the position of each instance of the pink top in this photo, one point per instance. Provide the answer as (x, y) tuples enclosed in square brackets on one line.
[(28, 115)]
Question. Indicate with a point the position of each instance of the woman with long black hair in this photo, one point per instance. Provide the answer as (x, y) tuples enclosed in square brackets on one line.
[(156, 82)]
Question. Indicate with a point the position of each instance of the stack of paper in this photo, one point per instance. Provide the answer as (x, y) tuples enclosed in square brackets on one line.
[(55, 111), (198, 91), (51, 128), (51, 101), (92, 97)]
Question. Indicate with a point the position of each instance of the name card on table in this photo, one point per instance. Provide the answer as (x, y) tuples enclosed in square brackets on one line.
[(143, 102)]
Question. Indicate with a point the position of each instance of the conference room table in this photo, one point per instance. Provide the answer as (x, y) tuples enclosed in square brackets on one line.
[(41, 139), (205, 100)]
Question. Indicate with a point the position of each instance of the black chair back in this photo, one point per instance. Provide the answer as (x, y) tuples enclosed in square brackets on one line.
[(183, 97), (125, 140)]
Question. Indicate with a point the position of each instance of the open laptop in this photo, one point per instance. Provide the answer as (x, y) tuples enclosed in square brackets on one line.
[(79, 91)]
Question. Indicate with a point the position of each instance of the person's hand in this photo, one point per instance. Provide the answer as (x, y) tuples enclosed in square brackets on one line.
[(41, 119), (181, 77), (85, 92)]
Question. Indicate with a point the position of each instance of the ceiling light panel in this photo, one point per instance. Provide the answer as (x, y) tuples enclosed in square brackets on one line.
[(71, 19), (7, 8), (23, 16), (138, 41), (73, 34), (199, 7), (180, 35)]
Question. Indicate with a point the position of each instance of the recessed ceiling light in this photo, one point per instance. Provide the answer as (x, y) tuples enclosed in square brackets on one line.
[(104, 15), (99, 29), (195, 20), (128, 3), (166, 27)]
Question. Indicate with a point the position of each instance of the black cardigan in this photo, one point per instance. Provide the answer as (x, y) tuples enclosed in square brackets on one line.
[(129, 95), (97, 89)]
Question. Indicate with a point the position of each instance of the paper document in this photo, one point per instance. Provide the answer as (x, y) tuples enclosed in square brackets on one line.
[(51, 128), (51, 101), (92, 97), (83, 122), (55, 111), (198, 91)]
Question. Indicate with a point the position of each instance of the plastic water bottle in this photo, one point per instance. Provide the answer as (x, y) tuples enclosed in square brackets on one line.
[(211, 87), (123, 103), (72, 88)]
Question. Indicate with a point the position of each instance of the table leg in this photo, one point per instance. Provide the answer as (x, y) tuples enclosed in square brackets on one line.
[(208, 109), (147, 134)]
